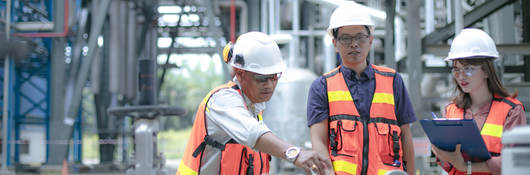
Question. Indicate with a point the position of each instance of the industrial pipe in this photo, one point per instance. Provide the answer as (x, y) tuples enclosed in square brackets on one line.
[(5, 104), (244, 14)]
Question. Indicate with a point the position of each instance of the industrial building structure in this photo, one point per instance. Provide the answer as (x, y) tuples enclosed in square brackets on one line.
[(58, 54)]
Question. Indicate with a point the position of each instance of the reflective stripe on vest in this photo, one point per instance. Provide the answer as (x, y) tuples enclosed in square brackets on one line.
[(344, 166), (246, 159), (493, 126), (339, 97), (347, 128), (384, 94)]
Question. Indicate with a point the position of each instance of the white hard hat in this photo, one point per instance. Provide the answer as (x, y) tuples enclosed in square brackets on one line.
[(347, 14), (255, 52), (472, 43)]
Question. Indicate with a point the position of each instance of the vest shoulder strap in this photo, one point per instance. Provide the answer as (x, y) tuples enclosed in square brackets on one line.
[(385, 71), (332, 72), (508, 100)]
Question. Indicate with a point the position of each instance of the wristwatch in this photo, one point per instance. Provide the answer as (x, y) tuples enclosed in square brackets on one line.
[(469, 171), (292, 153)]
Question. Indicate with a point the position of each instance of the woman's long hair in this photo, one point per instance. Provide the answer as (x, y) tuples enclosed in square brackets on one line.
[(462, 99)]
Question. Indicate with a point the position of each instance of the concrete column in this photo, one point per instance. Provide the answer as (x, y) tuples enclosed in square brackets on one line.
[(414, 61), (390, 57)]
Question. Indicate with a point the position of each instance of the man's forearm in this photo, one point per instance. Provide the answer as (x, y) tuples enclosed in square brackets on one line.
[(408, 148), (270, 144)]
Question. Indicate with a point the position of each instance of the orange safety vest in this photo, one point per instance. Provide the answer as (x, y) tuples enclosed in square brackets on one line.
[(356, 145), (493, 126), (235, 158)]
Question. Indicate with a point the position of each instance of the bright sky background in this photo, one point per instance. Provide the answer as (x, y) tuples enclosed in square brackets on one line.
[(192, 59)]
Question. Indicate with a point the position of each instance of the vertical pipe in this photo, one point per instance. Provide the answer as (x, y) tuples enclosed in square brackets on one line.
[(6, 94), (449, 11), (272, 25), (276, 16), (147, 82), (526, 36), (132, 62), (429, 27), (330, 57), (293, 45), (390, 57), (123, 47), (263, 23), (253, 15), (114, 47), (232, 21), (311, 39), (459, 17), (58, 153), (429, 16), (243, 17)]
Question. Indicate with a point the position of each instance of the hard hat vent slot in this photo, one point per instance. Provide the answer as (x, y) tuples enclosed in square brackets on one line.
[(239, 60)]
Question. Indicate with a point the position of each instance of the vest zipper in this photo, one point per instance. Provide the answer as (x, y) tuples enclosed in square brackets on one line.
[(365, 147), (261, 161), (250, 168)]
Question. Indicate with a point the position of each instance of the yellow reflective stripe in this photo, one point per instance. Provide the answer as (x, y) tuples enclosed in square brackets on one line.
[(492, 130), (381, 172), (339, 96), (206, 107), (185, 170), (205, 99), (344, 166), (383, 98)]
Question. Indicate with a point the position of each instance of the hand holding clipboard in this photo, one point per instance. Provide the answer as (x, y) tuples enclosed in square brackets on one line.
[(447, 133)]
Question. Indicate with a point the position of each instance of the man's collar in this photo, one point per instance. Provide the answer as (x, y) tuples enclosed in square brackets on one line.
[(350, 73)]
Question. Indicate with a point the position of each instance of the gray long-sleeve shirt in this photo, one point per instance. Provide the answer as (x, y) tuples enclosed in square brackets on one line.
[(231, 116)]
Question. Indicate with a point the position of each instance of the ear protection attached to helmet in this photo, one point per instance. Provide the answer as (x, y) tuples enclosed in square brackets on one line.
[(227, 52)]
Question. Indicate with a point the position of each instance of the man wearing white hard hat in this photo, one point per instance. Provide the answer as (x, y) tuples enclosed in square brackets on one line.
[(359, 113), (480, 96), (228, 136)]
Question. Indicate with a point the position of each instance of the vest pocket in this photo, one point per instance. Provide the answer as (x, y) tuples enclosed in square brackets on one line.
[(348, 137), (389, 144), (237, 159)]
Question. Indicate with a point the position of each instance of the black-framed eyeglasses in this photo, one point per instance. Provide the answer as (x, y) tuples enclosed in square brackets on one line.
[(348, 39), (264, 78), (468, 71)]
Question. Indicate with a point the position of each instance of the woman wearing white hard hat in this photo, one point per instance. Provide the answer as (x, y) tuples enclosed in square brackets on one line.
[(480, 96), (359, 114)]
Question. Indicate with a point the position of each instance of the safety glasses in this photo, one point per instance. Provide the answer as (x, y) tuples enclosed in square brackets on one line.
[(468, 71), (264, 78), (348, 39)]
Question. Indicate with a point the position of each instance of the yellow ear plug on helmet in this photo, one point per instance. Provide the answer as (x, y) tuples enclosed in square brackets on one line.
[(227, 52)]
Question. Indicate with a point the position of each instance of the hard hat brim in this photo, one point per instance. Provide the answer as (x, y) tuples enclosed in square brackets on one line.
[(470, 57), (278, 68)]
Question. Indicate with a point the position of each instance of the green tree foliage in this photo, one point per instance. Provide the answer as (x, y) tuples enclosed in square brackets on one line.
[(186, 87)]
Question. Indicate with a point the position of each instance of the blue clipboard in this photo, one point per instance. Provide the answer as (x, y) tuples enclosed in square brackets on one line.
[(447, 133)]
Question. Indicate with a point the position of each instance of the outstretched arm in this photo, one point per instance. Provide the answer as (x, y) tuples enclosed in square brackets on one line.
[(273, 145)]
